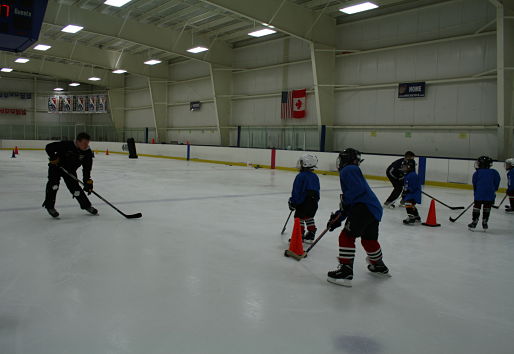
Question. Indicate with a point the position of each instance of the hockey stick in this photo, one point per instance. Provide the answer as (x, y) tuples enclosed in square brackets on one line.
[(128, 216), (499, 205), (285, 225), (455, 219), (440, 202)]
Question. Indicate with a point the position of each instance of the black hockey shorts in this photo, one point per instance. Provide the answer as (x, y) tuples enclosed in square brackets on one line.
[(307, 209), (361, 223)]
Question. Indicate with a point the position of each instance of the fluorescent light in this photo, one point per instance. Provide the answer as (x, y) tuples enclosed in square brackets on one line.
[(74, 84), (72, 29), (119, 71), (365, 6), (42, 47), (58, 89), (117, 3), (268, 25), (152, 62), (6, 70), (22, 60), (197, 50), (262, 32), (94, 78)]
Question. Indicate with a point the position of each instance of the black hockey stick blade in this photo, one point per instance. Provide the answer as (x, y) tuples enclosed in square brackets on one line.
[(133, 216), (458, 217)]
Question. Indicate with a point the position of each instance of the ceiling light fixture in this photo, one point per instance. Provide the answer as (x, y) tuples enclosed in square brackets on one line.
[(119, 71), (261, 33), (152, 62), (117, 3), (22, 60), (94, 78), (365, 6), (74, 84), (6, 70), (58, 89), (198, 49), (42, 47), (72, 29)]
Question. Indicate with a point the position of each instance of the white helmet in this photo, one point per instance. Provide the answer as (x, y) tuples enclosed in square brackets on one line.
[(307, 161), (509, 163)]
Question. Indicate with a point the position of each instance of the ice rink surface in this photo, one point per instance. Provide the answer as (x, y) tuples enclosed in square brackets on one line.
[(203, 271)]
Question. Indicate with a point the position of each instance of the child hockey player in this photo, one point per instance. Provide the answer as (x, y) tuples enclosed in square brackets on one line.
[(509, 166), (411, 192), (363, 212), (485, 184), (395, 174), (305, 195), (69, 155)]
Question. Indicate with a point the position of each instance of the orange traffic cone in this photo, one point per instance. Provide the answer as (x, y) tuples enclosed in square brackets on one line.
[(13, 156), (431, 218), (16, 150), (296, 244), (107, 152)]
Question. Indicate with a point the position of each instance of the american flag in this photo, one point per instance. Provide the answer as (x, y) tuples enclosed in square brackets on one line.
[(286, 108)]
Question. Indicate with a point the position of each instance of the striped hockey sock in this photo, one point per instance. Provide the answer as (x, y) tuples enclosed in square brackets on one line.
[(346, 248), (373, 250)]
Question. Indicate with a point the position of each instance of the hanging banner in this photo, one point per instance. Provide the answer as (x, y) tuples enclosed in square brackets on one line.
[(80, 104), (53, 104), (91, 105), (67, 104), (101, 106), (13, 111)]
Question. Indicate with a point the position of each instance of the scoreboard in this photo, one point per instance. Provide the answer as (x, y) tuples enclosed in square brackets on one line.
[(20, 23)]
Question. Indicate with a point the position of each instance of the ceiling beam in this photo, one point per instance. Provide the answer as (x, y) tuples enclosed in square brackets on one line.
[(286, 16), (168, 40), (107, 59), (60, 71)]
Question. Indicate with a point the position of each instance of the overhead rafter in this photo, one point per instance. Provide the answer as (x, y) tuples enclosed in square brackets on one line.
[(107, 59), (286, 16), (61, 71), (168, 40)]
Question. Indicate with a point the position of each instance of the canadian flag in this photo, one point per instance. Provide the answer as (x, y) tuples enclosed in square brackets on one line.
[(299, 103)]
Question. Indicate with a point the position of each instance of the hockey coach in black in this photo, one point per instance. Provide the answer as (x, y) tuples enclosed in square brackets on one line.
[(69, 155)]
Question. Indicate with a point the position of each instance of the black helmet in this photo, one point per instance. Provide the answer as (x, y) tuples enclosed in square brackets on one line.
[(349, 156), (484, 162), (408, 165)]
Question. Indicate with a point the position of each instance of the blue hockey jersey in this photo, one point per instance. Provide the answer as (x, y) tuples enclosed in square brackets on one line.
[(412, 187), (486, 182), (510, 181), (305, 183), (355, 190)]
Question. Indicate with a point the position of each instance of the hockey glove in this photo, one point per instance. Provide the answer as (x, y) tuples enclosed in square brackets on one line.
[(292, 207), (88, 186), (54, 161), (336, 220)]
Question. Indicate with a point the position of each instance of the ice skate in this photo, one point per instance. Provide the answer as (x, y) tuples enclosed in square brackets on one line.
[(473, 225), (343, 275), (484, 225), (412, 220), (508, 209), (309, 237), (53, 213), (389, 205), (91, 210), (378, 268)]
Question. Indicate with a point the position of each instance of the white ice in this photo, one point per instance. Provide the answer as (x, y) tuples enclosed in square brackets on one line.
[(203, 271)]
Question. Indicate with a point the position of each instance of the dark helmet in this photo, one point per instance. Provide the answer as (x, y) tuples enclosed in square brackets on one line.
[(349, 156), (484, 162), (408, 165)]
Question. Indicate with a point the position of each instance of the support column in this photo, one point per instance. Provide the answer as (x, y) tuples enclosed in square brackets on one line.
[(505, 84), (117, 107), (159, 97), (222, 90), (323, 69)]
